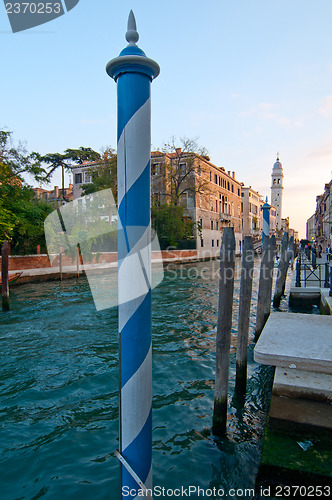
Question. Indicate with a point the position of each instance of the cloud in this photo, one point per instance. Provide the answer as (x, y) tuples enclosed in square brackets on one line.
[(267, 111), (326, 108)]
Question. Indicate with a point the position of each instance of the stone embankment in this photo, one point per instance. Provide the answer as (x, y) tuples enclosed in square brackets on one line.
[(42, 268), (297, 445)]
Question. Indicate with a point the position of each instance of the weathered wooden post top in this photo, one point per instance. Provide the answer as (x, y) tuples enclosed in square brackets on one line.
[(133, 72)]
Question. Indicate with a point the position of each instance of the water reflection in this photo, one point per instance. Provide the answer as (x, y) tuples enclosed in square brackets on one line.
[(59, 391)]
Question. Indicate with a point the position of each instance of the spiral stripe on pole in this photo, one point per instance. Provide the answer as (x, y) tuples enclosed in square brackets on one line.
[(133, 72)]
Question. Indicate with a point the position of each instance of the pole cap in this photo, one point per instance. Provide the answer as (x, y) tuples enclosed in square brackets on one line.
[(132, 59)]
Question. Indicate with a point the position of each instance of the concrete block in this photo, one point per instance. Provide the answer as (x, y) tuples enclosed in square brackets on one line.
[(299, 341)]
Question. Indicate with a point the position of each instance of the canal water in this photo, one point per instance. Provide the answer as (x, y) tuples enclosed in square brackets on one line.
[(59, 392)]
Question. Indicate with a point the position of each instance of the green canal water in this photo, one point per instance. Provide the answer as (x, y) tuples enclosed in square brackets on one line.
[(59, 392)]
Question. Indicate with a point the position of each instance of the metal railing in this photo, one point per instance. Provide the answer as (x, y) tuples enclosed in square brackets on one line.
[(309, 272)]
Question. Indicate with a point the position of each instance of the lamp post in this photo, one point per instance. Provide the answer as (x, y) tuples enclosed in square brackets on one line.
[(133, 73)]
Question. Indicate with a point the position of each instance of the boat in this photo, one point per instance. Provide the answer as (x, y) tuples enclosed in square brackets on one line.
[(12, 278)]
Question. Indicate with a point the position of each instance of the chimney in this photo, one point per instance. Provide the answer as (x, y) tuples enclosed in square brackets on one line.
[(229, 172), (178, 151), (233, 175)]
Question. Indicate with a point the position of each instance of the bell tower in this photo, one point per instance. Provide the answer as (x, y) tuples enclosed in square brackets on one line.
[(277, 189)]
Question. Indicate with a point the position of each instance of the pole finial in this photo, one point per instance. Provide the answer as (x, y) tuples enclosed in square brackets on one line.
[(132, 36)]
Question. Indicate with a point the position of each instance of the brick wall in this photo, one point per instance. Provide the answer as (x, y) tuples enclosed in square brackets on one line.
[(19, 263)]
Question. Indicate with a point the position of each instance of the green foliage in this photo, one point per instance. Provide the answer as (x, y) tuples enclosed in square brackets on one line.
[(82, 154), (66, 160), (103, 175), (171, 224), (22, 218), (15, 160)]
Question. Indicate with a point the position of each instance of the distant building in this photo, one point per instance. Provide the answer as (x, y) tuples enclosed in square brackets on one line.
[(252, 217), (252, 214), (82, 175), (311, 228), (54, 195), (211, 195), (319, 225), (277, 190)]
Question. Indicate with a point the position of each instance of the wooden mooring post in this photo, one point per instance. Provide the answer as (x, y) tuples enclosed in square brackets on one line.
[(60, 262), (289, 259), (224, 327), (282, 271), (244, 315), (265, 284), (78, 261), (4, 276)]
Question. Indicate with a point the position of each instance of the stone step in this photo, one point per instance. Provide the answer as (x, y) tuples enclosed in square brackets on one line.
[(299, 414), (302, 384)]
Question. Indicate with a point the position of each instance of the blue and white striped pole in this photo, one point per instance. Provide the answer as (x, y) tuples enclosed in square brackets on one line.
[(266, 220), (133, 73)]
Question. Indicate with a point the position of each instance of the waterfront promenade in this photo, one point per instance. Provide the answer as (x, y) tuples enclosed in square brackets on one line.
[(297, 445)]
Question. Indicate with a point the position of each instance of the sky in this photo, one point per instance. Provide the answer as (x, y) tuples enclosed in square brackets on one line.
[(247, 79)]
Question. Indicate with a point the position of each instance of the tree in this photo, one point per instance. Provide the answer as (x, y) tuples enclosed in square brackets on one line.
[(104, 174), (21, 216), (15, 161), (183, 169), (66, 160), (171, 224)]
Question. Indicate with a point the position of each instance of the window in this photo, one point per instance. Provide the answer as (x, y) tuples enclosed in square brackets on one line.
[(228, 185), (199, 170), (184, 200), (217, 243), (202, 243), (183, 168), (78, 178), (213, 243), (232, 188), (87, 177), (155, 198), (215, 179), (210, 176), (217, 225), (238, 192), (155, 168), (212, 224)]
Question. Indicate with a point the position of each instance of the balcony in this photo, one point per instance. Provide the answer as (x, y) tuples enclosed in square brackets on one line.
[(224, 217)]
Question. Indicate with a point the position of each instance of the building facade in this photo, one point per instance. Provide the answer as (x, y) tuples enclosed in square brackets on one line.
[(319, 225), (211, 195), (54, 195), (252, 216)]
